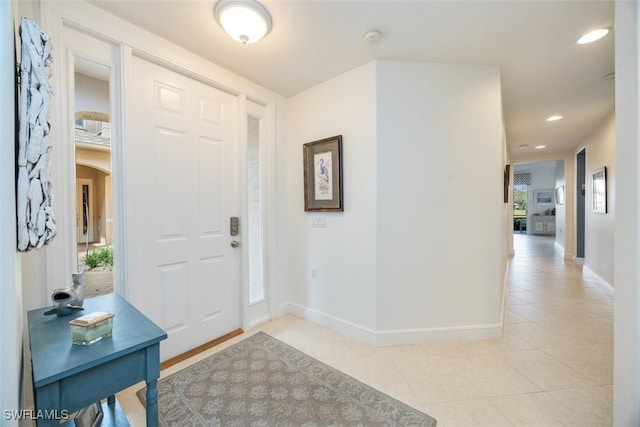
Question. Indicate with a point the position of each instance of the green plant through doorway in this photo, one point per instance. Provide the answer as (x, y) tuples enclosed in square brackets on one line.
[(99, 257)]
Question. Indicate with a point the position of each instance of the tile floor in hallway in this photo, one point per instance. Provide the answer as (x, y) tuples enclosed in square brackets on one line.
[(553, 366)]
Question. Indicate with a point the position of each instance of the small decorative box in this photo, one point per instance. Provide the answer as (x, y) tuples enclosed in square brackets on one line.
[(91, 328)]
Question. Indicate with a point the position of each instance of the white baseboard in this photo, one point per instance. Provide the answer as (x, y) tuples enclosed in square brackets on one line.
[(565, 255), (608, 286), (341, 326), (258, 322), (281, 310), (439, 335), (505, 285), (395, 337), (559, 247)]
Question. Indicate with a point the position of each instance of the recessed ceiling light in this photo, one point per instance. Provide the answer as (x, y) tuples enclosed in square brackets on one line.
[(594, 35), (540, 147), (524, 146), (554, 118)]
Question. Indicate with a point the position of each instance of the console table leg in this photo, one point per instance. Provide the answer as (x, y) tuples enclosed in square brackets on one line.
[(152, 403), (111, 400)]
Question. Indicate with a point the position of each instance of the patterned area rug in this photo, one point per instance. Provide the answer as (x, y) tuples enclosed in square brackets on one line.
[(261, 381)]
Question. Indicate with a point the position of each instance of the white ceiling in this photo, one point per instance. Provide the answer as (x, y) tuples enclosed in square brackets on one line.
[(533, 42), (528, 167)]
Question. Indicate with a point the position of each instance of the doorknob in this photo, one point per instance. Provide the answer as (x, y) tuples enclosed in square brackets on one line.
[(235, 244)]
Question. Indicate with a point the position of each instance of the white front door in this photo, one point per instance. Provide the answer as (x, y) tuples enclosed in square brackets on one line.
[(183, 160)]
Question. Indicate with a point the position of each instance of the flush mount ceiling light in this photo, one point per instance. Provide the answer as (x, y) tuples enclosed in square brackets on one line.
[(540, 147), (246, 21), (594, 35), (554, 118)]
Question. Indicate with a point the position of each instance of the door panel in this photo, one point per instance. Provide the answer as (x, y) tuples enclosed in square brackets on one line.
[(170, 153), (172, 279), (211, 168), (184, 160)]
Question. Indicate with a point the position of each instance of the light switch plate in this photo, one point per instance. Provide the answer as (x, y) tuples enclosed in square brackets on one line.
[(319, 221)]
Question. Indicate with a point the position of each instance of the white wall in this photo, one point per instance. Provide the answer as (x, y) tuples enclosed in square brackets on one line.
[(541, 179), (560, 209), (599, 238), (627, 232), (570, 179), (33, 264), (440, 197), (387, 268), (11, 309), (343, 253)]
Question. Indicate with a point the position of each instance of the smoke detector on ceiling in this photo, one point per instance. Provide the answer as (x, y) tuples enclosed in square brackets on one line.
[(372, 37)]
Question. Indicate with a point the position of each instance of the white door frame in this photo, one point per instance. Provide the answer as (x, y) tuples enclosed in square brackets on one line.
[(73, 40), (260, 312), (123, 38)]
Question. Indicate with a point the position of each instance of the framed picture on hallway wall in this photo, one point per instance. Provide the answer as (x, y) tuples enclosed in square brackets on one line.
[(600, 190), (543, 197), (322, 162)]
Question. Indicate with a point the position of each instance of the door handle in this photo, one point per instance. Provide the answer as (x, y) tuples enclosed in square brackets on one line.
[(235, 244)]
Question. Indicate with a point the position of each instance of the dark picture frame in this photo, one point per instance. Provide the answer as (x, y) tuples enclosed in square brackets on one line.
[(322, 160), (600, 190), (507, 177)]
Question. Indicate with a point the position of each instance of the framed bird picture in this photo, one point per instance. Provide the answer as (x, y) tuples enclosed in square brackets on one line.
[(322, 162)]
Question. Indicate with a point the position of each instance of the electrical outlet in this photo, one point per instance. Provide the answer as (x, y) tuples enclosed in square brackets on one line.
[(314, 273)]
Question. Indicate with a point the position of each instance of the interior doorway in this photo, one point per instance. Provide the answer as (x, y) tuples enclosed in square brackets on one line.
[(534, 204), (581, 181)]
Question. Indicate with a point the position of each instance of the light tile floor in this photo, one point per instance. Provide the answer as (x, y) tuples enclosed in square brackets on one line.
[(553, 365)]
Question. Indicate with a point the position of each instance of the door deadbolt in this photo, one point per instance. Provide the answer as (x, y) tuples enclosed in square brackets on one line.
[(233, 226)]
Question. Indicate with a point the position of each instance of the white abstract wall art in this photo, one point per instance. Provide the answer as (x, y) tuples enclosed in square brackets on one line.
[(36, 223)]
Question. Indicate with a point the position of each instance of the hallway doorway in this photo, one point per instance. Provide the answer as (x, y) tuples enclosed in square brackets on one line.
[(581, 181)]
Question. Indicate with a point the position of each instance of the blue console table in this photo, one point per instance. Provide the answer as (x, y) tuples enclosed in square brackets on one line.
[(70, 377)]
